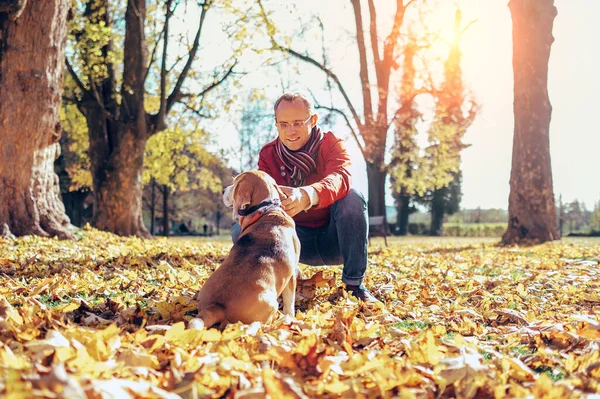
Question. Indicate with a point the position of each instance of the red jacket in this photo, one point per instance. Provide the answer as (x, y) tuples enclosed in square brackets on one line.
[(331, 180)]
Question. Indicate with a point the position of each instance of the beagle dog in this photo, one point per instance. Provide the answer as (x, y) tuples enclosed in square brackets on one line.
[(263, 263)]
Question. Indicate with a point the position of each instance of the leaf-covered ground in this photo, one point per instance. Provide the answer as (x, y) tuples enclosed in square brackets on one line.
[(104, 316)]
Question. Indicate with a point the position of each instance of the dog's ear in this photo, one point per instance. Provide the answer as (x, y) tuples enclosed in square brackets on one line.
[(242, 199)]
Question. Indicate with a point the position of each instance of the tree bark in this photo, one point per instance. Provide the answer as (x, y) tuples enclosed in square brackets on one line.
[(118, 191), (437, 213), (152, 207), (403, 211), (531, 208), (166, 222), (218, 217), (118, 132), (32, 51), (376, 178)]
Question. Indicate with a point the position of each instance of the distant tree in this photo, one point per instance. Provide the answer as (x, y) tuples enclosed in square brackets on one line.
[(439, 168), (177, 162), (561, 215), (255, 129), (405, 153), (32, 53), (454, 114), (125, 106), (575, 216), (595, 219), (446, 199), (532, 213)]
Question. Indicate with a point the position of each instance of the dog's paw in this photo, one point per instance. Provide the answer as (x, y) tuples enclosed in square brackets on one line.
[(196, 324)]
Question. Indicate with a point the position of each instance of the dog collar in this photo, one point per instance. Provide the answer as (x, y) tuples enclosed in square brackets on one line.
[(252, 209), (256, 212)]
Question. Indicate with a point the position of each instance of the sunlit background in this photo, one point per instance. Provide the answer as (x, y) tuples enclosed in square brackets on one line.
[(487, 66)]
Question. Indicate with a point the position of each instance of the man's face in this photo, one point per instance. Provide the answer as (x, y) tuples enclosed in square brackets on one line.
[(294, 123)]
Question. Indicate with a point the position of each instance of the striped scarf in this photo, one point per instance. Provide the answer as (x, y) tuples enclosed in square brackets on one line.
[(302, 162)]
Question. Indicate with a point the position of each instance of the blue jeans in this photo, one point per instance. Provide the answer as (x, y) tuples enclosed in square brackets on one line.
[(343, 240)]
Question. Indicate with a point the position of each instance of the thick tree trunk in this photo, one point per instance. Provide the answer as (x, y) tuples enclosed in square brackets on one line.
[(437, 213), (166, 223), (118, 135), (531, 208), (118, 190), (376, 178), (403, 208), (32, 51)]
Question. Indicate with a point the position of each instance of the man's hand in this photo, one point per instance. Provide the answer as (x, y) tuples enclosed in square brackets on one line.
[(297, 200)]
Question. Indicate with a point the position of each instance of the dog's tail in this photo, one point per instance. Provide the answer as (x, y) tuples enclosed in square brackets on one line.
[(208, 317)]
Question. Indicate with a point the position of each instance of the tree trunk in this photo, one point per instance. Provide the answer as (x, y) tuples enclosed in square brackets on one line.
[(376, 178), (152, 207), (166, 223), (531, 209), (437, 213), (403, 207), (118, 135), (32, 51), (118, 190), (218, 216)]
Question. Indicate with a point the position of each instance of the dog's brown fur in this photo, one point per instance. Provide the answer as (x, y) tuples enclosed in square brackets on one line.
[(261, 266)]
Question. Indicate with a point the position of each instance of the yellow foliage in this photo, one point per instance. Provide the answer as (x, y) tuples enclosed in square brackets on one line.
[(106, 315)]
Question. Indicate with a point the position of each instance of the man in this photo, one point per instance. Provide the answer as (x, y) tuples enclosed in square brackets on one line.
[(311, 167)]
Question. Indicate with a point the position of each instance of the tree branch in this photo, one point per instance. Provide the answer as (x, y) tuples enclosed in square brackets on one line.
[(312, 61), (153, 55), (354, 134), (87, 93), (78, 81), (217, 82), (374, 40), (160, 122), (364, 69), (174, 96)]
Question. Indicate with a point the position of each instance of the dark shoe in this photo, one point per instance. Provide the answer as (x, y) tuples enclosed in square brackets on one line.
[(362, 293)]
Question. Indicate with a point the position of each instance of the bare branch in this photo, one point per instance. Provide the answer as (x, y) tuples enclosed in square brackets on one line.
[(174, 96), (354, 134), (392, 40), (374, 39), (196, 111), (217, 82), (161, 123), (364, 69), (78, 81), (331, 75), (468, 26), (87, 93), (153, 54), (312, 61)]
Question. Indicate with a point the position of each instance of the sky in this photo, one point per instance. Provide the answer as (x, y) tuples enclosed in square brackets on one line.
[(573, 83)]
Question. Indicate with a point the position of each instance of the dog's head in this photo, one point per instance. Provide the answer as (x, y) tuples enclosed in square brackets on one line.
[(250, 189)]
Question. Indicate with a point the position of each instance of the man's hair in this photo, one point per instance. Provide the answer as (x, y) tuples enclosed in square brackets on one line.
[(291, 97)]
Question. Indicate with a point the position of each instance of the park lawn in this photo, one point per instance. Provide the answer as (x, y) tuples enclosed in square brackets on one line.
[(462, 318)]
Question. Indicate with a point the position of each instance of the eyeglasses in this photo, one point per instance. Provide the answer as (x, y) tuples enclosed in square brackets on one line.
[(295, 124)]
